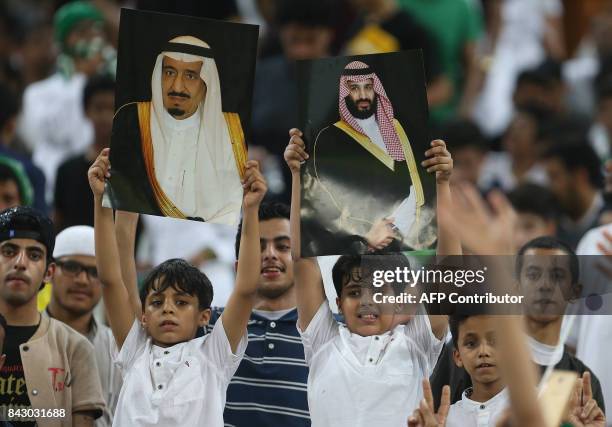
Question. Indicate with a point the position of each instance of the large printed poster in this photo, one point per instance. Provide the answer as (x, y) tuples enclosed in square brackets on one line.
[(365, 127), (183, 105)]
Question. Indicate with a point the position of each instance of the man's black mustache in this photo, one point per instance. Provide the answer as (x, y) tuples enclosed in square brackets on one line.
[(180, 94), (364, 100)]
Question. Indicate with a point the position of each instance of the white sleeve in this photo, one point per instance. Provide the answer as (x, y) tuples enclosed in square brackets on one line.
[(405, 214), (419, 331), (132, 347), (218, 351), (321, 329)]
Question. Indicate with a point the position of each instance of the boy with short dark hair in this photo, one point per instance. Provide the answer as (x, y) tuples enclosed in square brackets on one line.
[(369, 371), (547, 270), (474, 341), (548, 273), (169, 376)]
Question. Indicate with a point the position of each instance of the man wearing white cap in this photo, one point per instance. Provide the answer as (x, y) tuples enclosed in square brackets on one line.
[(179, 154), (76, 291)]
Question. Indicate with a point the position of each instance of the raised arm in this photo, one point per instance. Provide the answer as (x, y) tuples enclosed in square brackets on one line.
[(125, 230), (240, 304), (118, 308), (440, 162), (307, 276)]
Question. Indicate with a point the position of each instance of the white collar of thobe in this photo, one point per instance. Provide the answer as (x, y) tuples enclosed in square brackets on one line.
[(180, 125), (370, 121), (474, 405)]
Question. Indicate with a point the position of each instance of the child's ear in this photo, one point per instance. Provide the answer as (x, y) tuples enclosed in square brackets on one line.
[(143, 320), (338, 301), (204, 317), (457, 358)]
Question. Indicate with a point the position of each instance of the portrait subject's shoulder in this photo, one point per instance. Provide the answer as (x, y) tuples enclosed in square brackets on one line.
[(127, 109), (328, 132), (401, 132), (127, 124)]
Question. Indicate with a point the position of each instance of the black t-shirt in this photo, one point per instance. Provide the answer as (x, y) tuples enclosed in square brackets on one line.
[(13, 390), (73, 197)]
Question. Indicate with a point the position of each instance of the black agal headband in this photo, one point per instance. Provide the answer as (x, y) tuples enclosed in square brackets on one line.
[(357, 71), (206, 52)]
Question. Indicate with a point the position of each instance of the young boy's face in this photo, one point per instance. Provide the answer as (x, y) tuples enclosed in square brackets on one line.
[(172, 316), (475, 350), (363, 316), (546, 283)]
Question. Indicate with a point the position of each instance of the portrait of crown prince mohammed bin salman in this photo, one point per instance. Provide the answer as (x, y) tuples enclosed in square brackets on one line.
[(179, 153), (363, 178)]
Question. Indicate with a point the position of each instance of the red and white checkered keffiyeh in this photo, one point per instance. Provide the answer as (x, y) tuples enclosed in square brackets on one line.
[(384, 110)]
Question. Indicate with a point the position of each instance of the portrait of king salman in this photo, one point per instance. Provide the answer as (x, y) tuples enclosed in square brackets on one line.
[(179, 153), (363, 180)]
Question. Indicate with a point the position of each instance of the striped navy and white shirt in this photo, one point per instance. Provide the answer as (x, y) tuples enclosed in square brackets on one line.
[(269, 387)]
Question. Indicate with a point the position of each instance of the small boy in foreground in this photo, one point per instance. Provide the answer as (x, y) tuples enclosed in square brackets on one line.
[(369, 371), (169, 376), (475, 351)]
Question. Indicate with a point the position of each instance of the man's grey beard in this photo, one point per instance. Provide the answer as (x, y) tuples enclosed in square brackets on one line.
[(176, 112), (361, 114)]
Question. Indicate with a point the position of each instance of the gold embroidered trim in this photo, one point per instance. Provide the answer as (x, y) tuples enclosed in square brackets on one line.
[(387, 160), (412, 168), (165, 205), (238, 142), (365, 142)]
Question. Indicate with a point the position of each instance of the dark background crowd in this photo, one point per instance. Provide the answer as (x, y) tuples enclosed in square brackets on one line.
[(520, 90)]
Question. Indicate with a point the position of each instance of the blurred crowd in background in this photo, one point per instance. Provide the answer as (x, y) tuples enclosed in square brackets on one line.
[(521, 91)]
